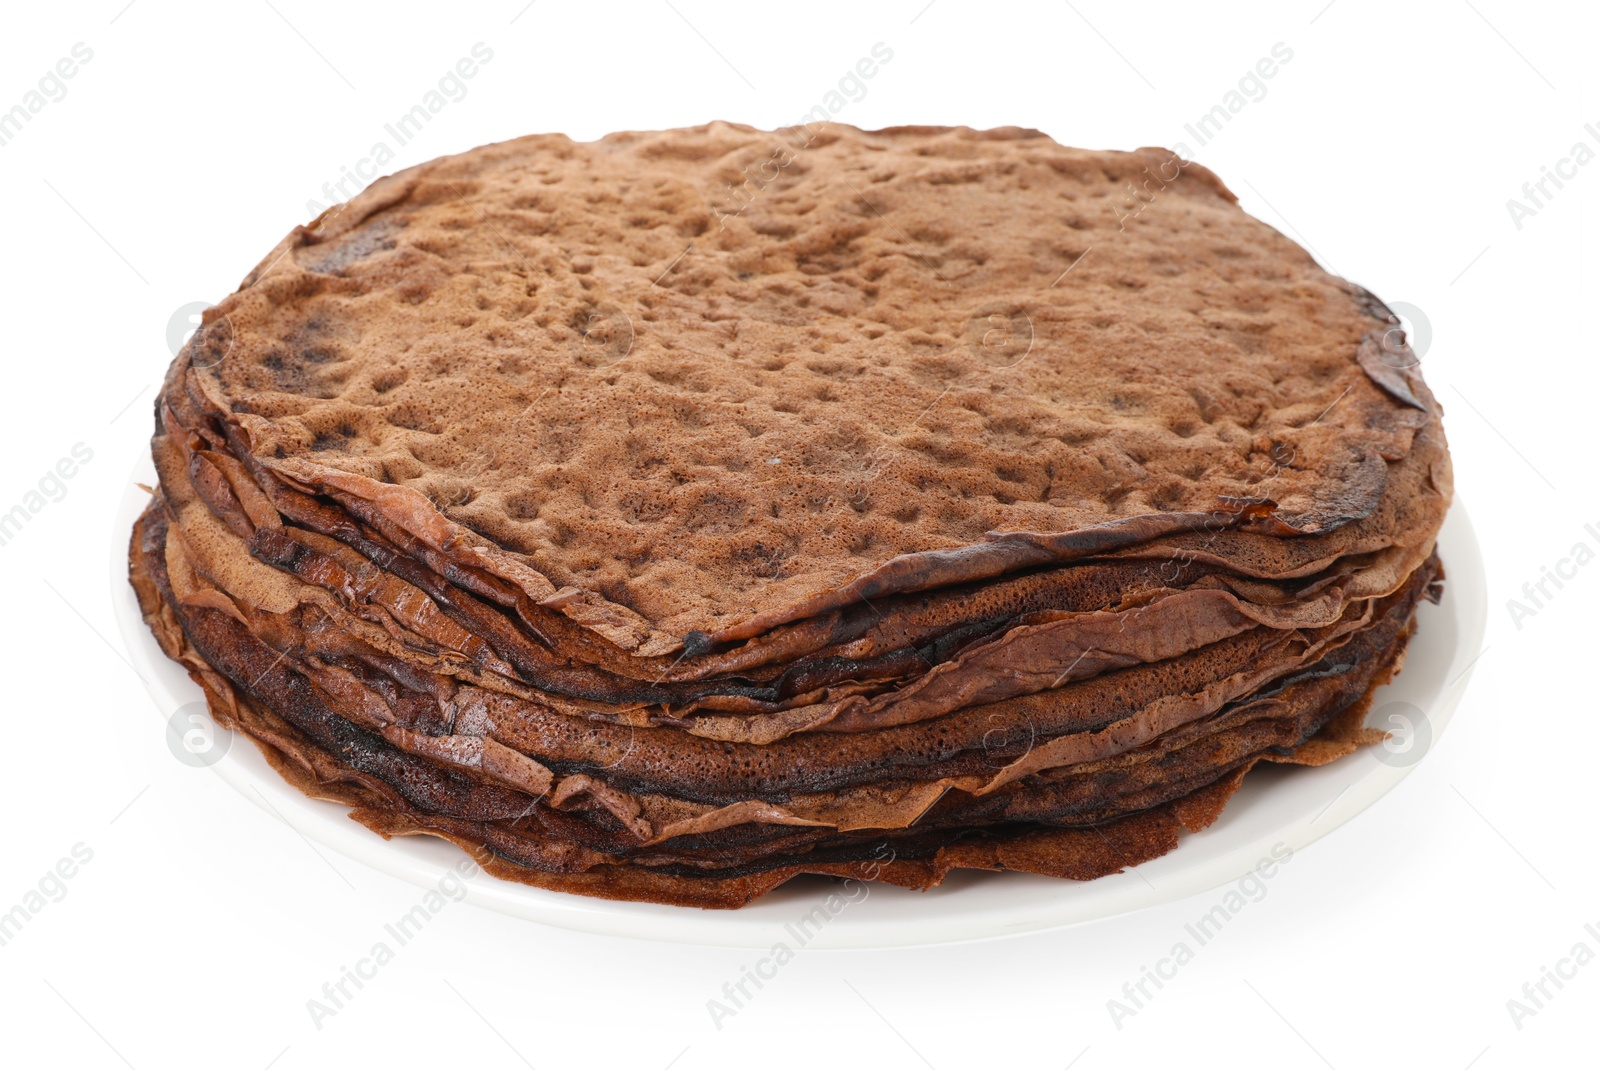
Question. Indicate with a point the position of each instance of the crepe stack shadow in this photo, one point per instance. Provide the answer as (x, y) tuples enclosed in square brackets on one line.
[(653, 519)]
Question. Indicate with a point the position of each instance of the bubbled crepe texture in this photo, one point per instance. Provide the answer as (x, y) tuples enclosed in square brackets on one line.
[(655, 531)]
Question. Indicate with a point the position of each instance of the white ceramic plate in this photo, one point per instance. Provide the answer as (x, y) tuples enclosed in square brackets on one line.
[(1277, 805)]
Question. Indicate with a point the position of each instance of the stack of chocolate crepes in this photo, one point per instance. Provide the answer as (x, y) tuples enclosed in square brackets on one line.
[(666, 516)]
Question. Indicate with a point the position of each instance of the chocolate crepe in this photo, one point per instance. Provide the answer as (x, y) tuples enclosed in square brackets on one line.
[(635, 621)]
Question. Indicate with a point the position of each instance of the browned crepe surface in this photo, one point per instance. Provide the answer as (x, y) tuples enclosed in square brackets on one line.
[(800, 398)]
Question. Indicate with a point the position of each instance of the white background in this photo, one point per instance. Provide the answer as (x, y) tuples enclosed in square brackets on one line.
[(1389, 145)]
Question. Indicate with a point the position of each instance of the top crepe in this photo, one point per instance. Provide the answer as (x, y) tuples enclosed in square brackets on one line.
[(703, 382)]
